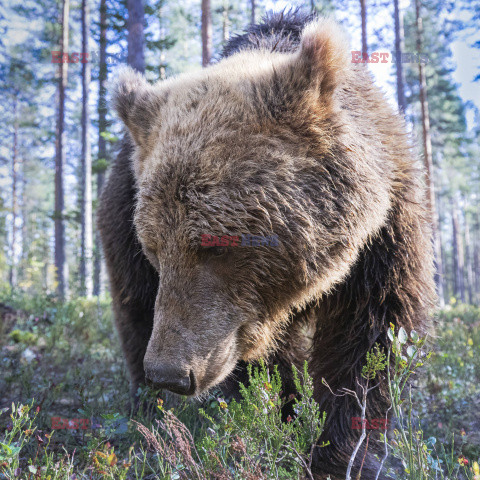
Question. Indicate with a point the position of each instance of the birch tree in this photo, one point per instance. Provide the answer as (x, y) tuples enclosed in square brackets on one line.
[(86, 270)]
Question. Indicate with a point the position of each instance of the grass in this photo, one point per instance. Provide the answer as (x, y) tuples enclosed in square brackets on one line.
[(63, 361)]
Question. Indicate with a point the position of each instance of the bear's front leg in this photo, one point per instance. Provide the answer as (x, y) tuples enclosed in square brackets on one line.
[(390, 284), (134, 325), (338, 355), (133, 281)]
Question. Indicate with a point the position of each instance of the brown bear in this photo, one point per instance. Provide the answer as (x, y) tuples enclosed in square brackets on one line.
[(284, 136)]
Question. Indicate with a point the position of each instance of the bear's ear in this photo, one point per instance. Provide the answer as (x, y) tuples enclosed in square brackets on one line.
[(137, 103), (323, 57)]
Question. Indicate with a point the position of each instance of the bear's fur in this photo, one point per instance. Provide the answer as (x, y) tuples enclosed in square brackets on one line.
[(283, 136)]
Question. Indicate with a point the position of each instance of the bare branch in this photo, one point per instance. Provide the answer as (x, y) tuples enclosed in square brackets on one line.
[(386, 446)]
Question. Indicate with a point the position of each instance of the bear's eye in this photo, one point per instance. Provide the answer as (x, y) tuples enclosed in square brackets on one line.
[(217, 251)]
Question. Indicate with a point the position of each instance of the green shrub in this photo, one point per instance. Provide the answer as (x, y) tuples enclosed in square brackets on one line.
[(251, 434)]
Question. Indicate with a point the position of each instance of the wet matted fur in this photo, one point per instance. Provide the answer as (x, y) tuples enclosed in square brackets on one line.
[(284, 136)]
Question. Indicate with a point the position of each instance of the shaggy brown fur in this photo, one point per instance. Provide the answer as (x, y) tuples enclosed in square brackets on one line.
[(284, 136)]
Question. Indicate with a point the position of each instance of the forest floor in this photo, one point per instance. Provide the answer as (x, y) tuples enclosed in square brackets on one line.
[(65, 361)]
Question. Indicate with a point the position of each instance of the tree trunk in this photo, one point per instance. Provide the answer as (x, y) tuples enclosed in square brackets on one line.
[(469, 263), (163, 58), (24, 213), (399, 47), (476, 260), (86, 243), (136, 40), (60, 261), (454, 253), (15, 164), (441, 262), (102, 146), (225, 22), (427, 154), (252, 12), (206, 32), (458, 258), (363, 14)]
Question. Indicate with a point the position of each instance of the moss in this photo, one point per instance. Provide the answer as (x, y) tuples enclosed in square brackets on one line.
[(21, 336)]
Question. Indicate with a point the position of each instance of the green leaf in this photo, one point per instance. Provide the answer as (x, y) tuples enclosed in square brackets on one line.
[(110, 416), (402, 336), (6, 448), (411, 351), (414, 336)]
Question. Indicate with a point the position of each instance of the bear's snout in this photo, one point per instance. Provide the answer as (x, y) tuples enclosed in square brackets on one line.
[(171, 378)]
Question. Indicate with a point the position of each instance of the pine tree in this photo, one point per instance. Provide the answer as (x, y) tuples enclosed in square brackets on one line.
[(399, 49), (15, 168), (427, 153), (60, 260), (363, 17), (206, 32), (101, 163), (136, 49)]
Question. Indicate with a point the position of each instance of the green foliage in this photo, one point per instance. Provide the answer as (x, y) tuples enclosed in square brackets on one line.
[(100, 165), (376, 362), (420, 458), (253, 426), (448, 393), (15, 438)]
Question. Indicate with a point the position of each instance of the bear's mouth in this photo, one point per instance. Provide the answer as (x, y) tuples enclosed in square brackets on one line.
[(220, 371)]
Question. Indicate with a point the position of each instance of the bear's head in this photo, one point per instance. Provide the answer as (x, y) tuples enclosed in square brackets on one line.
[(254, 144)]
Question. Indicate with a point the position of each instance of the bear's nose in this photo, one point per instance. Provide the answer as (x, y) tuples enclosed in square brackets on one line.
[(170, 378)]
